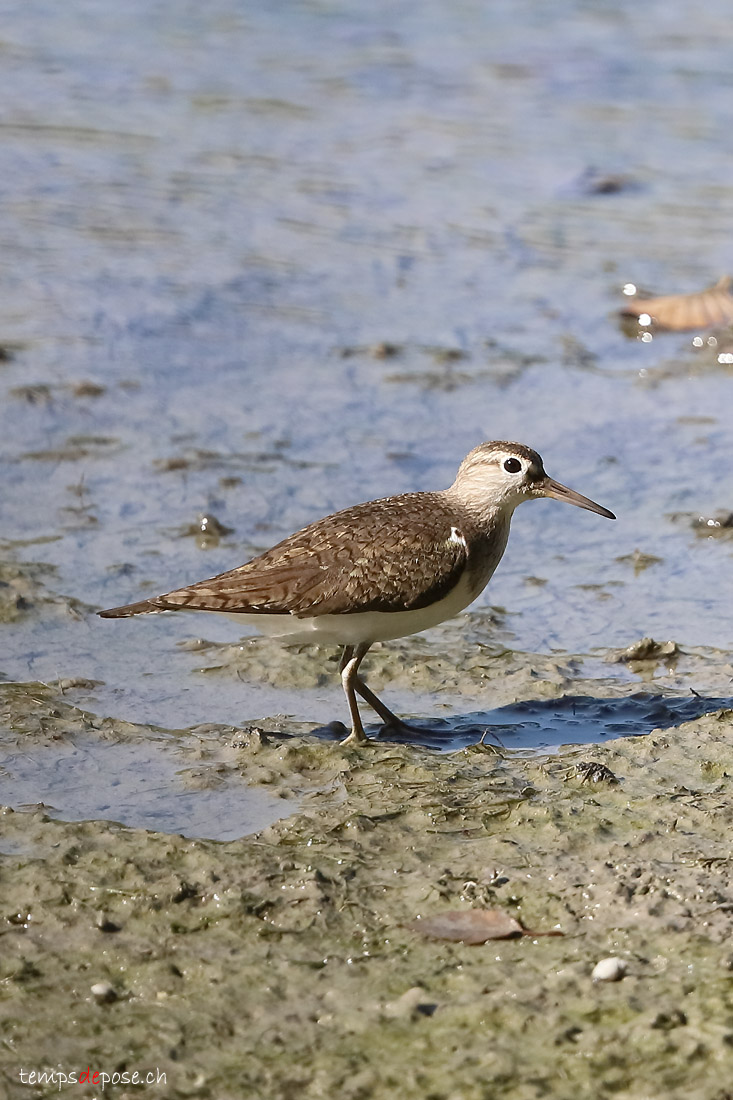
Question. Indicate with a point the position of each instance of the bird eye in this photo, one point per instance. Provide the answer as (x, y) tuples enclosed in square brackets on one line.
[(512, 465)]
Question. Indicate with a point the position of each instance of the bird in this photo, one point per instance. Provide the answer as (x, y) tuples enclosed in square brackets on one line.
[(380, 570)]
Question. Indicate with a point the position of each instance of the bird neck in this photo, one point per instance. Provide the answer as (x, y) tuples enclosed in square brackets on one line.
[(488, 518), (486, 529)]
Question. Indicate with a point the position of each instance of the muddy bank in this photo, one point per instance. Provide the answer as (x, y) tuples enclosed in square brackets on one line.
[(280, 965)]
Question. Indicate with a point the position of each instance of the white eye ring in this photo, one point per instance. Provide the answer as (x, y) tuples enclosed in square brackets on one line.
[(512, 465)]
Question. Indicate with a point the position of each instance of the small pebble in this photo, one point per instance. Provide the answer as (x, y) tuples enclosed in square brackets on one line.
[(414, 1000), (612, 969), (210, 525), (384, 350), (104, 993), (70, 682), (104, 924), (87, 389)]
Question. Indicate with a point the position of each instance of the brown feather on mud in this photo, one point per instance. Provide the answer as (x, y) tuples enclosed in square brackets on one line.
[(708, 308)]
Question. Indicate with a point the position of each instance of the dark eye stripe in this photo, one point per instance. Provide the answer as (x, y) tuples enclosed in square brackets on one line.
[(512, 465)]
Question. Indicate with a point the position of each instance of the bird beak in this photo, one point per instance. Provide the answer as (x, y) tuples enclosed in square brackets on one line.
[(551, 488)]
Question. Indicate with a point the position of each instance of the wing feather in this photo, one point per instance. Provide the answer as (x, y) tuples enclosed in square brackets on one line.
[(395, 554)]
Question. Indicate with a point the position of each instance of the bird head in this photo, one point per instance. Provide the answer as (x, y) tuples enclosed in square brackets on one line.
[(502, 475)]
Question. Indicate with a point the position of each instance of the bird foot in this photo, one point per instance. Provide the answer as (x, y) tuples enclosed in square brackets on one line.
[(399, 728), (356, 737)]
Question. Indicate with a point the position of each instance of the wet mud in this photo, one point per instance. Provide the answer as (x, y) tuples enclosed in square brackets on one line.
[(281, 964)]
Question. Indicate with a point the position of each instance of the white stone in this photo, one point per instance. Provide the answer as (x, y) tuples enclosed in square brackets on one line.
[(612, 969), (104, 992)]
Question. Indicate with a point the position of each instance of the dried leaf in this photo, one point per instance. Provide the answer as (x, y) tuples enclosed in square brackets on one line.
[(469, 926), (473, 926), (706, 309)]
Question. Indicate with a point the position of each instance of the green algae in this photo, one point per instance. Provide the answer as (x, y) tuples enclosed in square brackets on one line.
[(25, 592), (280, 964)]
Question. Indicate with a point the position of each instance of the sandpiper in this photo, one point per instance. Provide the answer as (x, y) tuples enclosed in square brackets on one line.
[(380, 570)]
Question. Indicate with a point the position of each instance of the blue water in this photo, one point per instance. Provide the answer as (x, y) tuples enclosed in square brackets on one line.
[(215, 213)]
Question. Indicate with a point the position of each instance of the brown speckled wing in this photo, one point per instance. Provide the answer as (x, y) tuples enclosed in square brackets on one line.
[(394, 554)]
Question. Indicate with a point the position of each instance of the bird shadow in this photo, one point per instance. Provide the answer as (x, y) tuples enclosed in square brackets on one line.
[(546, 724)]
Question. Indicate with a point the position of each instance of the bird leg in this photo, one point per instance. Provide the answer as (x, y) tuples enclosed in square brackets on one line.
[(392, 723), (351, 658), (376, 704)]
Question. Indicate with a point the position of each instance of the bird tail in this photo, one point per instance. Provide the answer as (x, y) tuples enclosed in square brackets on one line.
[(142, 607)]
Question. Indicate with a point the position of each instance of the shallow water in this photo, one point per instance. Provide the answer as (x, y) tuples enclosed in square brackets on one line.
[(548, 725), (138, 784), (263, 263)]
